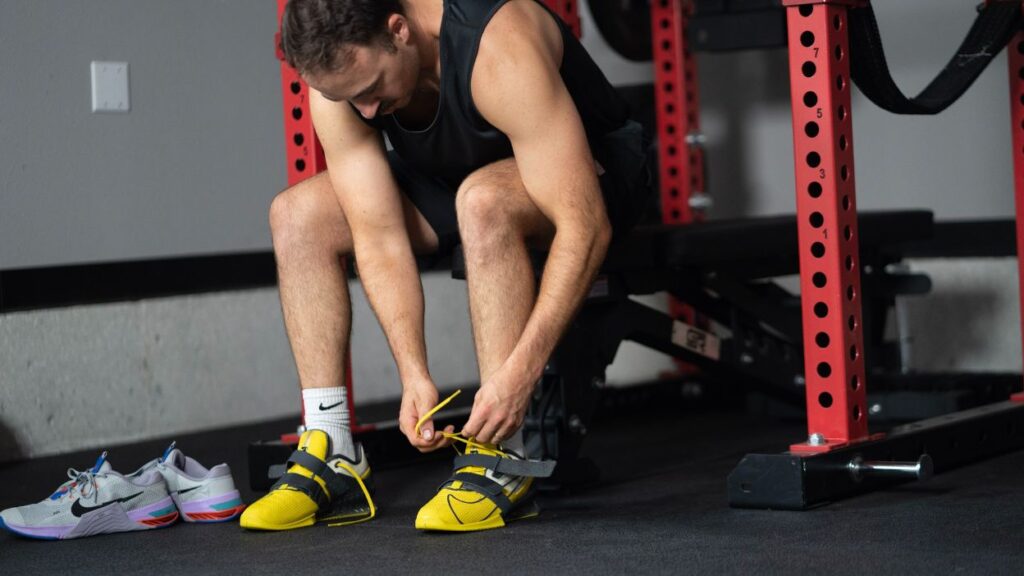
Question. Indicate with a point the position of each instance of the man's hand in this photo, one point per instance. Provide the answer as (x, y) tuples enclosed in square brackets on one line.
[(417, 399), (499, 406)]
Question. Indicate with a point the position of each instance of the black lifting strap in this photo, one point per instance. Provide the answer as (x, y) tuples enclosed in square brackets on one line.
[(992, 31)]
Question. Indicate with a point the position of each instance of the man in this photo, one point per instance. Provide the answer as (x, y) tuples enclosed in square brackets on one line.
[(506, 136)]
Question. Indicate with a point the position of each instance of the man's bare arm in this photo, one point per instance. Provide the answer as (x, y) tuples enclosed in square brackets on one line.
[(361, 177), (518, 89)]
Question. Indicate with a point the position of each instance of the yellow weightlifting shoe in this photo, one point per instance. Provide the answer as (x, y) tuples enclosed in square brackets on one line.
[(489, 488), (315, 489)]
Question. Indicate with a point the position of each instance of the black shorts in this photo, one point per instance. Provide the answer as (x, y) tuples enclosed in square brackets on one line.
[(626, 185)]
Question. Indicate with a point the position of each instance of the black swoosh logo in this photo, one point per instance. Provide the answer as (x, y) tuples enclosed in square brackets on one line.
[(77, 509), (188, 489), (322, 407)]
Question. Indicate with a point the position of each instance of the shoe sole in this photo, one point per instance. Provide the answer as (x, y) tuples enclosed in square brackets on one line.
[(222, 508), (107, 520)]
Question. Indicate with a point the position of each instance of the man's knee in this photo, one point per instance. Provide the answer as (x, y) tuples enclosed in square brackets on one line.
[(483, 210), (299, 216)]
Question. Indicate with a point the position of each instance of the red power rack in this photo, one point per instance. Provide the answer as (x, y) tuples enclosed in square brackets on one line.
[(677, 110), (819, 68)]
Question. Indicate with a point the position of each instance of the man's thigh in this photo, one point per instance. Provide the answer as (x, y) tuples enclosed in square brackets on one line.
[(316, 206)]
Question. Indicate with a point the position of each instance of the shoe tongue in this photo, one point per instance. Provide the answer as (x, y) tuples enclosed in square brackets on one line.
[(175, 458), (316, 443)]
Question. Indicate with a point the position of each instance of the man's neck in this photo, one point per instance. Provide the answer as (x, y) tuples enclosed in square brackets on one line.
[(425, 23)]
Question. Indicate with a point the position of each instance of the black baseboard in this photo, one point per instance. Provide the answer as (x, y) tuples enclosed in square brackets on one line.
[(37, 288)]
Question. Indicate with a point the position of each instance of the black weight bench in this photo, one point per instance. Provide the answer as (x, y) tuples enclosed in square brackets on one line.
[(722, 269)]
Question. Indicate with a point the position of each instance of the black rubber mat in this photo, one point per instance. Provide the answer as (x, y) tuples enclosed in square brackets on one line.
[(660, 507)]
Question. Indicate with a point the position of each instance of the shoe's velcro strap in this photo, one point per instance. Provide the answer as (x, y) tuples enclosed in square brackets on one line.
[(338, 484), (315, 465), (485, 486), (531, 468), (307, 486)]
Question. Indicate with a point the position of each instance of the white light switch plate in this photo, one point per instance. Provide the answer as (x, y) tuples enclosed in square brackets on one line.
[(110, 87)]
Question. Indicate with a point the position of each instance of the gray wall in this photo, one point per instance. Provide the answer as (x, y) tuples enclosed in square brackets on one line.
[(192, 168)]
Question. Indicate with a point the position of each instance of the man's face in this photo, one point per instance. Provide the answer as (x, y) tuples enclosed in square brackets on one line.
[(376, 80)]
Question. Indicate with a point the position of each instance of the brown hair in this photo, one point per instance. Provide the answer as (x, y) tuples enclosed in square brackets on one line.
[(314, 33)]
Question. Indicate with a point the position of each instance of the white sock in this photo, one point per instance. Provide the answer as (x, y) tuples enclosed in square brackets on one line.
[(326, 409)]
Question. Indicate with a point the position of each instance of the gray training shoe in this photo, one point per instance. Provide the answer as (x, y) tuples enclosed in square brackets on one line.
[(96, 501)]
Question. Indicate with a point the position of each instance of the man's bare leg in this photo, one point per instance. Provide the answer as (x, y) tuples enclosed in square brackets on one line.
[(497, 221), (311, 240)]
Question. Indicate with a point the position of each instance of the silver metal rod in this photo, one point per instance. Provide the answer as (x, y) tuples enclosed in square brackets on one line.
[(920, 470)]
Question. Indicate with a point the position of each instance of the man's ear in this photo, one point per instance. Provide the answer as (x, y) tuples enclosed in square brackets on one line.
[(398, 27)]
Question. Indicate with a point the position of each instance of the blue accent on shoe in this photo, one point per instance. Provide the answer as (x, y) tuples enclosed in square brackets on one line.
[(22, 534), (168, 451), (99, 462)]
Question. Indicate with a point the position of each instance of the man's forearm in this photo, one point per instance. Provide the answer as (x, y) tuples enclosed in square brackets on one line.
[(573, 262), (392, 283)]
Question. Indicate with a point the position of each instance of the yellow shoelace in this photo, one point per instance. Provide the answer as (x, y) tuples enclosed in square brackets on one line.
[(366, 493), (469, 442)]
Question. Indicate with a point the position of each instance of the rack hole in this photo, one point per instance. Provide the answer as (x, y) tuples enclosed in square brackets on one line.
[(810, 99), (853, 353), (808, 69), (812, 129), (824, 369), (837, 23), (814, 189), (819, 279), (844, 173), (813, 159), (856, 412), (847, 233), (298, 138), (817, 220), (297, 113), (842, 142), (806, 10), (850, 293), (296, 87), (821, 310), (839, 52), (807, 39), (825, 400), (855, 382), (818, 249), (822, 340), (842, 112), (851, 322), (849, 263), (846, 202), (840, 83), (300, 165)]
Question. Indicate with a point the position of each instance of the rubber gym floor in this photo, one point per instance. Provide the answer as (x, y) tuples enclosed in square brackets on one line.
[(659, 508)]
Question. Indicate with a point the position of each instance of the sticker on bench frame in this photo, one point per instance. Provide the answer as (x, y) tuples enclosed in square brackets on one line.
[(695, 340)]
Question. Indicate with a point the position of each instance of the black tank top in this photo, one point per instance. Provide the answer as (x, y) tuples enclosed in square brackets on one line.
[(459, 140)]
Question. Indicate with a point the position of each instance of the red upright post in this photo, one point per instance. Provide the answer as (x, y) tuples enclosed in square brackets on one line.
[(1015, 57), (305, 155), (681, 158), (827, 223), (680, 150)]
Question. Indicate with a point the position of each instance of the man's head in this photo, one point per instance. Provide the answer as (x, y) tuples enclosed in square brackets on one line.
[(355, 50)]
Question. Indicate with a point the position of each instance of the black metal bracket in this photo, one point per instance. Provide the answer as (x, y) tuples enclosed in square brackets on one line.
[(798, 482)]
